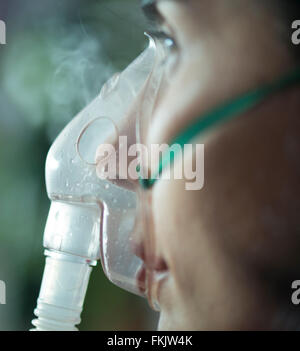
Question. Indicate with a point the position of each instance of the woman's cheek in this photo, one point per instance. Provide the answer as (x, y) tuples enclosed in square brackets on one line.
[(181, 240), (176, 105)]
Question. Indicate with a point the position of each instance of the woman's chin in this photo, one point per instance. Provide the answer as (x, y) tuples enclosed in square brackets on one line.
[(163, 323), (167, 323)]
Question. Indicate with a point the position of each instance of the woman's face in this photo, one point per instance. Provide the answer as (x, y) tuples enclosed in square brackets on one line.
[(222, 244)]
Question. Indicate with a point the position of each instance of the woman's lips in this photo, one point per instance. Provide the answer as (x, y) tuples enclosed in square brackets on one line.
[(158, 281), (141, 279), (150, 281), (152, 273)]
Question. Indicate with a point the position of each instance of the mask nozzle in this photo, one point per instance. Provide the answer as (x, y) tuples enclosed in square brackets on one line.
[(62, 293), (71, 240)]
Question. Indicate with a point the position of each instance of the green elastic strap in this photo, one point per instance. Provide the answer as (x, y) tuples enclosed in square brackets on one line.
[(223, 113)]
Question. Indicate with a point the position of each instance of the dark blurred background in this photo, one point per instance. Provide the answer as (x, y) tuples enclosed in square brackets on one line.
[(57, 56)]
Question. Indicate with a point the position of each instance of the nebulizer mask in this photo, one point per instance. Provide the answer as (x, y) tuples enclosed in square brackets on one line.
[(93, 219)]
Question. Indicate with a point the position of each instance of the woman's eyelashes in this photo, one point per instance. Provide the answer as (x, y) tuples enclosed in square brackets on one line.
[(166, 40), (169, 43)]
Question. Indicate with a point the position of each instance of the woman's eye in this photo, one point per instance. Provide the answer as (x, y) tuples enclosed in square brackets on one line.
[(168, 43), (168, 49)]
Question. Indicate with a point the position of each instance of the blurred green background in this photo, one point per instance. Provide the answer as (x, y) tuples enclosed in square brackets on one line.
[(58, 55)]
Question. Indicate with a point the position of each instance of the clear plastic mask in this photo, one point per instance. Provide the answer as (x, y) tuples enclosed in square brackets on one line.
[(91, 218)]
